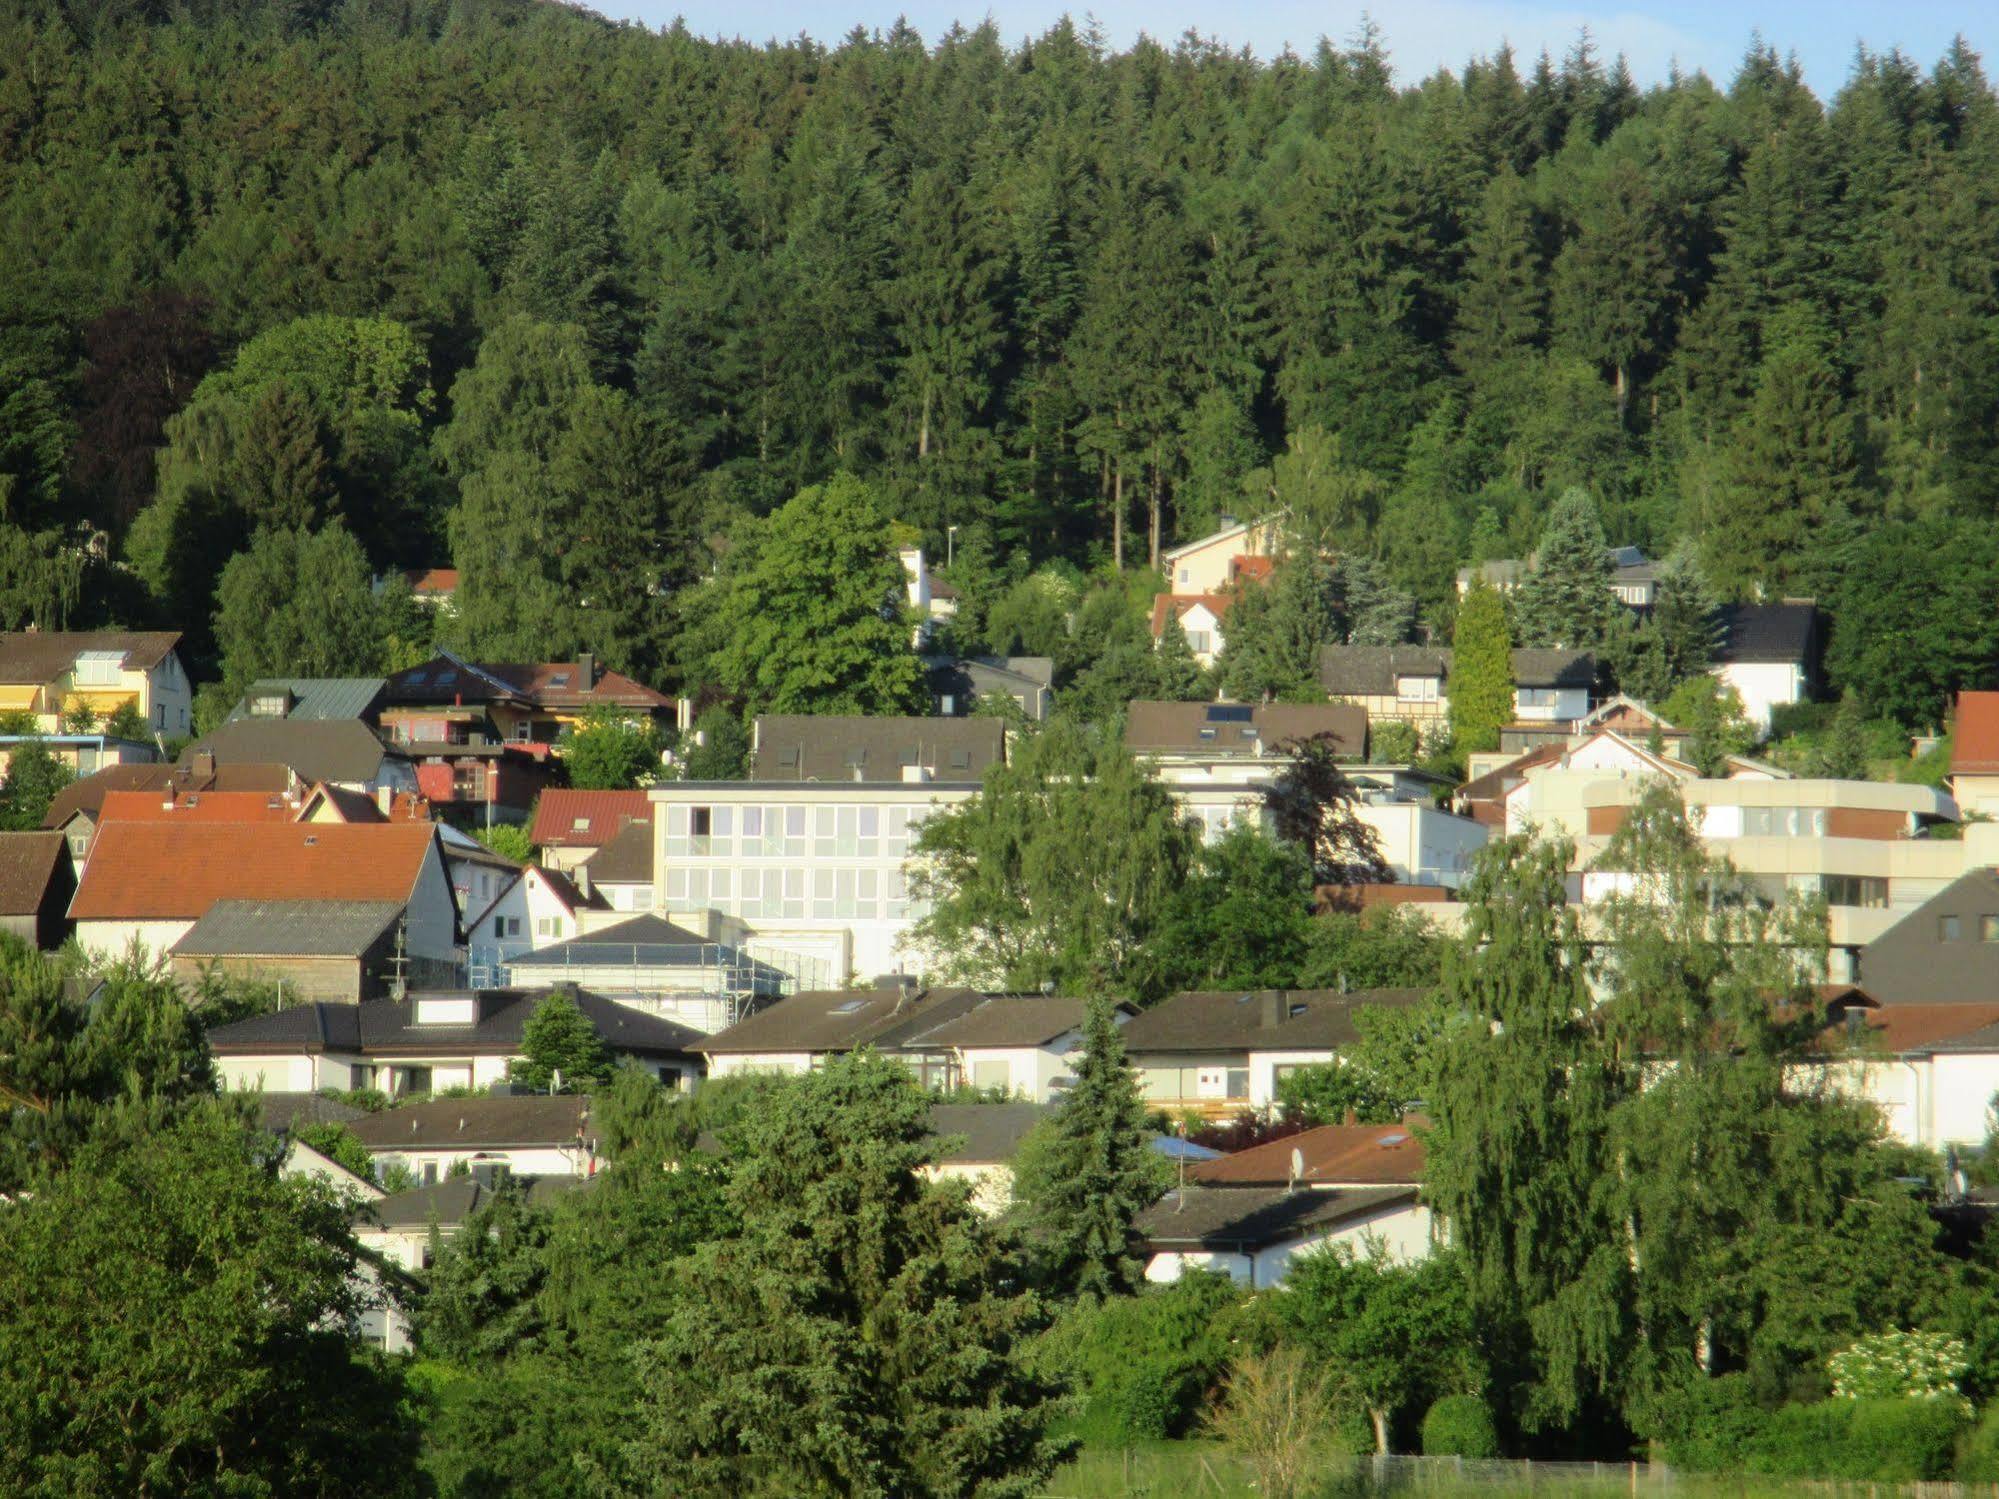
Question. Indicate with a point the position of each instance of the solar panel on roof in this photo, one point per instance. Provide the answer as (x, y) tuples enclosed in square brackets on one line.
[(1230, 713)]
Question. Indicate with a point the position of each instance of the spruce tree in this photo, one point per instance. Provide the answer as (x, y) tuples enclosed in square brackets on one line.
[(1566, 600), (1481, 680), (1095, 1173), (560, 1048), (1377, 612), (1680, 635), (1502, 310), (1181, 677)]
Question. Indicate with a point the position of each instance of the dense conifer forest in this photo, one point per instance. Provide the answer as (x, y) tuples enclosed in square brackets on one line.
[(563, 302)]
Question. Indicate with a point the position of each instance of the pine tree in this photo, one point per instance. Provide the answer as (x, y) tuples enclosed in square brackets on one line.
[(1095, 1173), (1181, 677), (1377, 612), (1481, 681), (1788, 477), (1566, 600), (1613, 278), (1502, 309), (559, 1039), (1679, 636)]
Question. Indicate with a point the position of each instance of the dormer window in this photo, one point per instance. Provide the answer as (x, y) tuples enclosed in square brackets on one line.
[(99, 667), (961, 759), (579, 824), (560, 679)]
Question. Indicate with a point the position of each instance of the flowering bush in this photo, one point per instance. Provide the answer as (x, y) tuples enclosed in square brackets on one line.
[(1917, 1365)]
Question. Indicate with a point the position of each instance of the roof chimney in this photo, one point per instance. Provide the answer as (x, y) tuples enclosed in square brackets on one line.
[(385, 799), (1273, 1009), (204, 762), (583, 879), (586, 670)]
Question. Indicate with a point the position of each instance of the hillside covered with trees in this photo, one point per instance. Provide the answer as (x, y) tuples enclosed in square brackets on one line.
[(568, 305)]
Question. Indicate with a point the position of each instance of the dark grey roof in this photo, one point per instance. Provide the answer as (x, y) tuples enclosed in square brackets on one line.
[(820, 1020), (450, 1202), (969, 678), (29, 863), (812, 747), (288, 928), (627, 859), (315, 697), (385, 1027), (478, 1123), (1246, 1219), (1007, 1020), (1260, 1020), (1911, 963), (644, 942), (976, 1134), (1784, 633), (1371, 670), (334, 749), (278, 1112), (1246, 729)]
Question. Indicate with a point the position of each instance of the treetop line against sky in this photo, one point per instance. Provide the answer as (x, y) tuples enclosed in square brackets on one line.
[(1421, 35)]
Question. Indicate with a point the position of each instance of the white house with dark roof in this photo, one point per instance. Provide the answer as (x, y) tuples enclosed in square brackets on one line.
[(434, 1040), (620, 874), (1769, 653), (1411, 684), (532, 1134)]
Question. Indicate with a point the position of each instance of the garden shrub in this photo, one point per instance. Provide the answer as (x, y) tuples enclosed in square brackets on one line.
[(1802, 1441), (1460, 1426), (1978, 1451), (1711, 1425), (1142, 1367), (1899, 1440)]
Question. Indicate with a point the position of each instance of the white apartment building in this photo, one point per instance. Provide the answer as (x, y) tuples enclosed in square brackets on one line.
[(818, 868)]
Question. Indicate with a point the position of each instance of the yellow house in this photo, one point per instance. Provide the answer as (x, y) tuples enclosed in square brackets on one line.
[(79, 679), (1208, 565)]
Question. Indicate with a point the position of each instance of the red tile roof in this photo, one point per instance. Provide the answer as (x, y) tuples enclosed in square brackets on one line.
[(433, 582), (1974, 743), (601, 815), (197, 806), (165, 871), (1257, 569), (1335, 1155), (1896, 1029), (1172, 605)]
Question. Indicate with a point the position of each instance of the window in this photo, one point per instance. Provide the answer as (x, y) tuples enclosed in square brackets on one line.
[(506, 926), (1949, 928), (822, 832), (1988, 929), (548, 926), (1238, 1082), (1538, 697), (1186, 575), (700, 828), (430, 1173), (1871, 893), (1783, 822), (670, 1078), (961, 759), (1417, 689), (579, 824), (1200, 642), (99, 667), (159, 715)]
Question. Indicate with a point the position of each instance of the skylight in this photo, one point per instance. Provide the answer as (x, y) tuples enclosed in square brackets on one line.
[(560, 679), (849, 1007)]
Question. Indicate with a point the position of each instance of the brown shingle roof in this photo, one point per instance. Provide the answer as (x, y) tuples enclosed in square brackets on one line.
[(1261, 1020), (1241, 728), (1249, 1218), (626, 859), (87, 793), (1335, 1155), (842, 1020), (27, 864), (1007, 1020), (33, 657), (585, 819), (319, 749), (156, 871), (812, 747), (477, 1123), (1902, 1029)]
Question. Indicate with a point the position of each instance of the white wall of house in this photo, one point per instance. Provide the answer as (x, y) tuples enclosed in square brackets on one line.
[(1550, 704), (1203, 628), (800, 865), (298, 1073), (1203, 566), (432, 913), (431, 1164), (1423, 845), (1764, 686), (1404, 1230), (991, 1183), (114, 939), (749, 1063), (1974, 793), (1268, 1068), (1928, 1101), (1026, 1072)]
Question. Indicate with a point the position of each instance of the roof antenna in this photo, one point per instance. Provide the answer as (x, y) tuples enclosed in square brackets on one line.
[(399, 987)]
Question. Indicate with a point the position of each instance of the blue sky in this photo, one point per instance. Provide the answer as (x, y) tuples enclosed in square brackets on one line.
[(1421, 34)]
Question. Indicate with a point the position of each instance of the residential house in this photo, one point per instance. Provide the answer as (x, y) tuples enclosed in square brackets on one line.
[(83, 754), (799, 1033), (508, 1135), (1931, 1069), (1633, 577), (150, 882), (432, 1041), (651, 964), (795, 747), (340, 952), (1200, 617), (76, 809), (435, 588), (57, 675), (339, 752), (1205, 735), (1220, 1052), (478, 878), (620, 874), (532, 908), (1251, 1214), (569, 826), (1502, 574), (1019, 1045), (37, 881), (1769, 653), (958, 685), (810, 854), (1974, 753), (1209, 563), (976, 1144), (450, 701), (930, 599), (397, 1229), (1411, 684), (312, 698)]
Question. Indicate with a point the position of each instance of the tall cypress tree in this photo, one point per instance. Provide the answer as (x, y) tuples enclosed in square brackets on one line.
[(1481, 684)]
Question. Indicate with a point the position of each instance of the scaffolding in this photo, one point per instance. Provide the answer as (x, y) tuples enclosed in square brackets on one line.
[(718, 982)]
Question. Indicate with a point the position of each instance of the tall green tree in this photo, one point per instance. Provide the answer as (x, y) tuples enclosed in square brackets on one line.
[(560, 1049), (813, 620), (860, 1332), (1566, 599), (1481, 682), (299, 603)]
